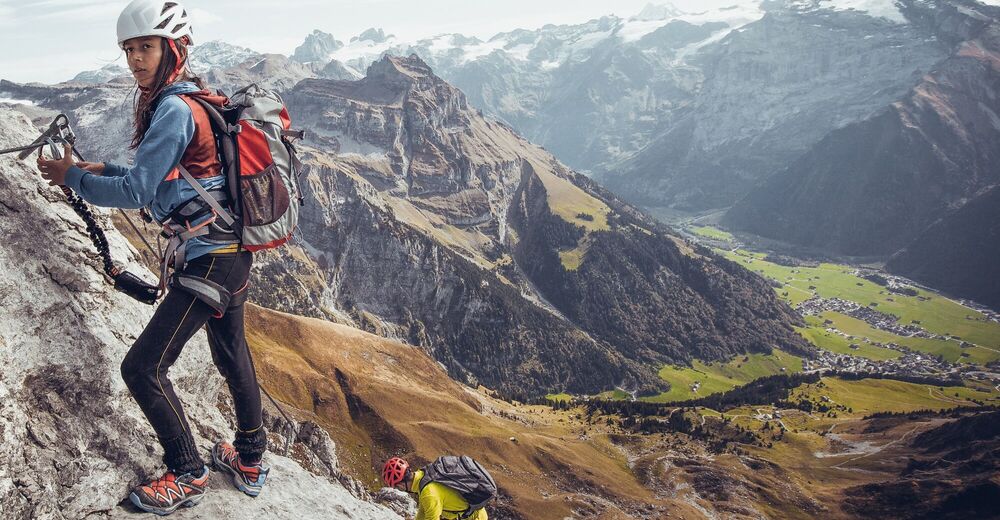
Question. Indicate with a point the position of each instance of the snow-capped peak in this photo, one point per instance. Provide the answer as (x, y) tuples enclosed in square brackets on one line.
[(657, 12), (364, 49), (218, 54), (885, 9)]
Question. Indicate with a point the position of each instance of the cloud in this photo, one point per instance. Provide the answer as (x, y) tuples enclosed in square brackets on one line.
[(201, 16)]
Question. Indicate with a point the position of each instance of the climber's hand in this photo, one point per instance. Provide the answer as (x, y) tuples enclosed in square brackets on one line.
[(54, 170), (95, 168)]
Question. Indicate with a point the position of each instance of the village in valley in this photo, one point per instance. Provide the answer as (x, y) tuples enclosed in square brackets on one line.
[(885, 331)]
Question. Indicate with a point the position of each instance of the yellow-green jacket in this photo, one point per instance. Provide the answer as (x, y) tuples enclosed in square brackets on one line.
[(438, 501)]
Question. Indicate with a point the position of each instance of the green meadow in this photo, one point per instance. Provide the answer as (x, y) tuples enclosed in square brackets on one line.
[(816, 333), (711, 232), (714, 377), (931, 311)]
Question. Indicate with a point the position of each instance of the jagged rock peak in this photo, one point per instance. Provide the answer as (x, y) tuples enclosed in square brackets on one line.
[(317, 47), (390, 67), (373, 35)]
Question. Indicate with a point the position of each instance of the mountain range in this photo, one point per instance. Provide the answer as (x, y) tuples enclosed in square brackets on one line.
[(435, 218), (778, 109)]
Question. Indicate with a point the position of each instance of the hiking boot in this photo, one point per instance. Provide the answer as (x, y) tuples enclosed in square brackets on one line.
[(165, 494), (247, 478)]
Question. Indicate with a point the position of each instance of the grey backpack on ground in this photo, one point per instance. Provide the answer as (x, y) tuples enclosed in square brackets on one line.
[(464, 475)]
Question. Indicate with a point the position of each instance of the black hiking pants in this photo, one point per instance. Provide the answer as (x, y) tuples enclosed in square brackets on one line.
[(175, 321)]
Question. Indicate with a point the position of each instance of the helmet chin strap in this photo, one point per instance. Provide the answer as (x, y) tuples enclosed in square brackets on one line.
[(180, 61)]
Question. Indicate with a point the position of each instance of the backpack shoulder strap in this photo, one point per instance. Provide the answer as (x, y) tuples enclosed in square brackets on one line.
[(212, 105), (207, 197), (226, 139)]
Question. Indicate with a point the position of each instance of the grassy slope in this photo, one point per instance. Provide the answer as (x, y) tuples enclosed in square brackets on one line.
[(379, 398), (711, 232), (817, 334), (721, 376), (568, 202), (882, 395), (822, 463)]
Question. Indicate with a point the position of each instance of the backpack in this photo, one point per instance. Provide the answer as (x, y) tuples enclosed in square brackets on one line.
[(253, 136), (465, 476)]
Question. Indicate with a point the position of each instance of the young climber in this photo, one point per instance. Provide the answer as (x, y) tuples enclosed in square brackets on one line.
[(435, 501), (173, 132)]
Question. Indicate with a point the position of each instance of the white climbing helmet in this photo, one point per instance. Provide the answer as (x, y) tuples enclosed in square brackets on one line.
[(154, 18)]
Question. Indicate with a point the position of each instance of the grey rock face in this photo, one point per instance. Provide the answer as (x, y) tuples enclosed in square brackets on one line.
[(410, 237), (273, 71), (102, 75), (398, 501), (317, 47), (771, 91), (372, 35), (871, 188), (72, 441)]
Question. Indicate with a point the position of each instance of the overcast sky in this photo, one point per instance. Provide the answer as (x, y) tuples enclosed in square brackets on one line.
[(53, 40)]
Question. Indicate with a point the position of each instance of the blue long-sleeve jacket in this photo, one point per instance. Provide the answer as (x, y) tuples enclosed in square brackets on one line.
[(144, 184)]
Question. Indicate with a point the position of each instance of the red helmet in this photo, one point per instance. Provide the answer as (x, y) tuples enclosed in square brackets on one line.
[(394, 471)]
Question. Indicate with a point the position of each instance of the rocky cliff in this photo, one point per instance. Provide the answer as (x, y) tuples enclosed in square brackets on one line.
[(73, 441), (873, 187), (433, 224), (772, 90), (958, 254)]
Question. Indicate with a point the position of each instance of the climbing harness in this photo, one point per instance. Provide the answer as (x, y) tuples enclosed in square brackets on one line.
[(60, 132)]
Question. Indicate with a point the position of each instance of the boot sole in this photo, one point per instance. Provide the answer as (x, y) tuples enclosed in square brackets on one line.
[(164, 511)]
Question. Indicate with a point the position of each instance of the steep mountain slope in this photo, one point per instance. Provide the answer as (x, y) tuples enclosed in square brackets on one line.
[(461, 237), (951, 474), (958, 254), (73, 441), (873, 187), (771, 91)]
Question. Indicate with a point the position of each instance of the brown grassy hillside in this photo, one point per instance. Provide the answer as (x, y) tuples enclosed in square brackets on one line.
[(379, 398)]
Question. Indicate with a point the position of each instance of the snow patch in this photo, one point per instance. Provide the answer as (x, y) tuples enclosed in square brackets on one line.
[(634, 30), (366, 51), (886, 9), (12, 101), (653, 12)]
